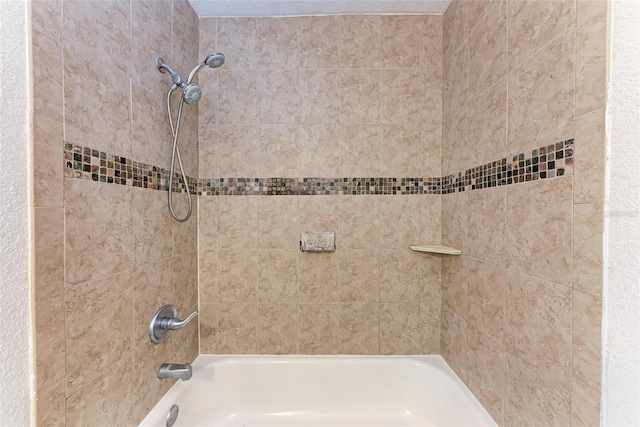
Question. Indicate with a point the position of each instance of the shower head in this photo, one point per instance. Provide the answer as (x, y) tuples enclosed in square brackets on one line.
[(214, 60), (191, 93)]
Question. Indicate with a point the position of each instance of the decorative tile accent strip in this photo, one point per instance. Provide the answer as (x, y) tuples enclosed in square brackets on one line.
[(545, 162)]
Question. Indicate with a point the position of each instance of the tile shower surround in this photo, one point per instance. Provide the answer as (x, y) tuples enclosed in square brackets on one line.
[(550, 161)]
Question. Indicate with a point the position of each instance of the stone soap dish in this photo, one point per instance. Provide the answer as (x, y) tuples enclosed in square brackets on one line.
[(436, 249), (318, 241)]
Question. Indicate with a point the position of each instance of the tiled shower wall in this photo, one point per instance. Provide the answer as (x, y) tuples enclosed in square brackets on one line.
[(329, 97), (107, 255), (522, 306)]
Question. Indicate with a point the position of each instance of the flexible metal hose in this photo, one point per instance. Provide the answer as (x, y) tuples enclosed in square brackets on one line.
[(176, 153)]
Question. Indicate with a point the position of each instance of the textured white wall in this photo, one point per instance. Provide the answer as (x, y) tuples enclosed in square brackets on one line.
[(621, 374), (15, 352)]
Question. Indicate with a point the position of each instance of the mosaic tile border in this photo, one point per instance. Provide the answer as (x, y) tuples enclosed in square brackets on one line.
[(546, 162)]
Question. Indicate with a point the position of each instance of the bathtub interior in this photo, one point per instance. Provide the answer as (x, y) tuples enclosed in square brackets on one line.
[(313, 391)]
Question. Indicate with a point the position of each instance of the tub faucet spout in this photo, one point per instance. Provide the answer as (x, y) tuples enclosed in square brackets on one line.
[(175, 370)]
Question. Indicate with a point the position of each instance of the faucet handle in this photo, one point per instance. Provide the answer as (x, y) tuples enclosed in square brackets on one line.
[(165, 321)]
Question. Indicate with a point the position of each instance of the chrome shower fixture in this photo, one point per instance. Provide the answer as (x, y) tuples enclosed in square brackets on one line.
[(191, 94)]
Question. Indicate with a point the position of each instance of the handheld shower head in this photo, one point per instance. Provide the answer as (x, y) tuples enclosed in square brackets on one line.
[(214, 60), (191, 93)]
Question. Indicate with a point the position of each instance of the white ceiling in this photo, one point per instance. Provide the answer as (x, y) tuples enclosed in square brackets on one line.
[(217, 8)]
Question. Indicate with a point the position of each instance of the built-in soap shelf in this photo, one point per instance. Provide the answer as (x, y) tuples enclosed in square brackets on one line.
[(435, 249)]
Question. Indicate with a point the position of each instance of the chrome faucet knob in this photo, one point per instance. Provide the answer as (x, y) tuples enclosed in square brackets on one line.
[(165, 321)]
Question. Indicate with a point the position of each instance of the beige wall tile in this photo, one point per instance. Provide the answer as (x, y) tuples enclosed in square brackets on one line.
[(278, 43), (487, 288), (51, 405), (455, 220), (430, 278), (591, 65), (590, 161), (432, 95), (208, 323), (99, 328), (319, 328), (588, 228), (399, 221), (399, 275), (400, 328), (360, 148), (152, 227), (430, 219), (455, 81), (207, 37), (237, 96), (238, 222), (319, 40), (240, 36), (529, 401), (278, 222), (360, 95), (430, 327), (185, 282), (319, 93), (103, 118), (185, 28), (238, 145), (208, 222), (454, 342), (185, 234), (47, 160), (359, 222), (402, 41), (542, 235), (147, 388), (456, 155), (401, 96), (401, 148), (48, 252), (102, 240), (359, 328), (208, 276), (487, 234), (319, 213), (237, 275), (533, 24), (237, 328), (486, 372), (456, 26), (432, 150), (107, 400), (585, 405), (361, 35), (277, 275), (586, 10), (488, 124), (359, 275), (318, 277), (47, 58), (587, 339), (433, 41), (152, 288), (279, 151), (279, 96), (278, 328), (488, 49), (50, 342), (538, 328), (455, 285), (541, 104)]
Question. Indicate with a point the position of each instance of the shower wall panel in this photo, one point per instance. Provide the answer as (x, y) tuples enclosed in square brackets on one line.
[(299, 128), (524, 106), (107, 253)]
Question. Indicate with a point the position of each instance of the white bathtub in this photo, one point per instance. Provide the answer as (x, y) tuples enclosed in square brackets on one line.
[(327, 391)]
